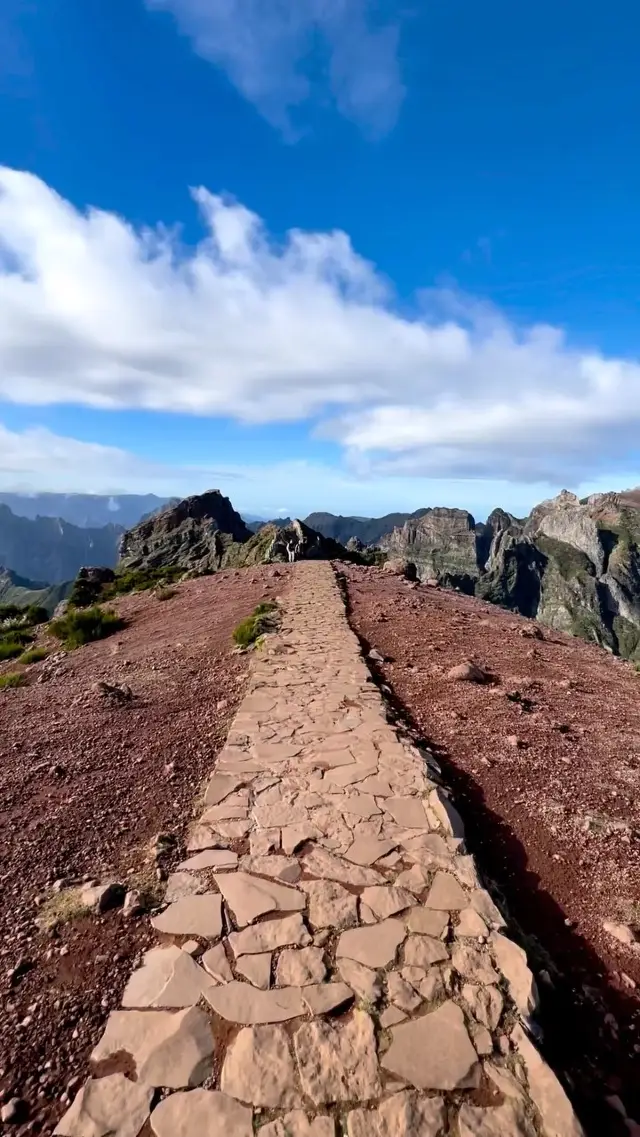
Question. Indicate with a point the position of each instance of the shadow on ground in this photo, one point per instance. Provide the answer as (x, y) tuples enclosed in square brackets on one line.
[(578, 1017)]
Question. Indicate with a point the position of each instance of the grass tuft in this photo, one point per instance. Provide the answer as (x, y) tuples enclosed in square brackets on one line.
[(60, 908), (12, 679), (164, 593), (85, 625), (253, 627), (9, 649), (34, 655)]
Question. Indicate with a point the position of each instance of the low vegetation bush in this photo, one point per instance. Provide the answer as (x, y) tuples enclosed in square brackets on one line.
[(261, 620), (9, 649), (84, 625), (86, 593), (139, 580), (9, 613), (36, 614), (34, 655), (164, 593), (12, 679), (13, 618), (17, 635)]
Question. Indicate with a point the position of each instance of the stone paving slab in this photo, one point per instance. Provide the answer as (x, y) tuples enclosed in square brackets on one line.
[(355, 977)]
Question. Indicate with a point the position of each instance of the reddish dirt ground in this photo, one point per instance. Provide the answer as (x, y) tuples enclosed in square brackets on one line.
[(544, 762), (84, 788)]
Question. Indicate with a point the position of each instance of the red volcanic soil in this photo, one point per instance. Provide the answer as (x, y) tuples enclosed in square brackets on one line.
[(544, 761), (85, 786)]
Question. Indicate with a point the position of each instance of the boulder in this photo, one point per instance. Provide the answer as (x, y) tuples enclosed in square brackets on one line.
[(102, 897), (401, 567), (468, 672)]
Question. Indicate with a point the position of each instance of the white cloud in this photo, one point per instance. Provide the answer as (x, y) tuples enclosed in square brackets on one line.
[(95, 313), (281, 53), (36, 459)]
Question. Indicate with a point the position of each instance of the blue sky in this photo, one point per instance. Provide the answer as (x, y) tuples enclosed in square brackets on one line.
[(353, 255)]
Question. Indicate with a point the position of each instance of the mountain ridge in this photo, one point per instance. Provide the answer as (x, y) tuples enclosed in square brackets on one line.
[(87, 511), (573, 564)]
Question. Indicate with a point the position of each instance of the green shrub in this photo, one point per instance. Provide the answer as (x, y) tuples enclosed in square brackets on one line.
[(10, 612), (86, 593), (166, 593), (9, 649), (36, 614), (265, 607), (252, 627), (12, 617), (16, 635), (12, 679), (34, 655), (84, 625), (139, 580)]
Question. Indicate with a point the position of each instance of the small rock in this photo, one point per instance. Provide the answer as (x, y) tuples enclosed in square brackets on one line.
[(468, 672), (13, 1111), (102, 897), (375, 656), (133, 904), (621, 932), (531, 632), (21, 968), (400, 567)]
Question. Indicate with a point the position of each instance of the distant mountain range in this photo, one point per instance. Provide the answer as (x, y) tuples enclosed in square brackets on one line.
[(51, 549), (92, 511), (89, 511), (572, 564), (369, 530), (15, 589)]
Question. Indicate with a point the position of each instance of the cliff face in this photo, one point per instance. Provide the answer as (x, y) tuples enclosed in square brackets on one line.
[(574, 565), (196, 534), (49, 549), (444, 544)]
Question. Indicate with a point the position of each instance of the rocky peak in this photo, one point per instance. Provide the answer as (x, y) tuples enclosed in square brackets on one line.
[(293, 541), (444, 544), (195, 533), (565, 518)]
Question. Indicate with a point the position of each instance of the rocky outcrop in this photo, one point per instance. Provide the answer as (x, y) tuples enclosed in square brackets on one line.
[(564, 518), (196, 534), (204, 534), (294, 541), (513, 573), (444, 544), (572, 564)]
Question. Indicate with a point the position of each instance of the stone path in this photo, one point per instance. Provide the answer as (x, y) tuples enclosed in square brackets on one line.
[(328, 961)]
